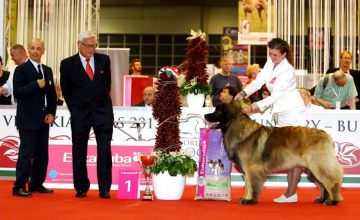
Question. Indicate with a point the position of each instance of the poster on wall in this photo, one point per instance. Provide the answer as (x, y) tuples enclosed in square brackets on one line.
[(255, 25), (238, 54)]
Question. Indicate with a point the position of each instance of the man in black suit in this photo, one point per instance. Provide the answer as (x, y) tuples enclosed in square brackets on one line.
[(345, 64), (85, 82), (36, 106)]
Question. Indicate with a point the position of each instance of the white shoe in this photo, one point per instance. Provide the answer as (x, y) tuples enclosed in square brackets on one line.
[(283, 199)]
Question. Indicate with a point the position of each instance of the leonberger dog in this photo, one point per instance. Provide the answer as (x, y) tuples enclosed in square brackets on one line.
[(260, 150)]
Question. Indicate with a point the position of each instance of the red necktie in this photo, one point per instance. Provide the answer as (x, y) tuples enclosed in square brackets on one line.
[(89, 71)]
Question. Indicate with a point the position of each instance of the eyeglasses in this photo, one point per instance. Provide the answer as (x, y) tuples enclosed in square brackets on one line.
[(89, 46)]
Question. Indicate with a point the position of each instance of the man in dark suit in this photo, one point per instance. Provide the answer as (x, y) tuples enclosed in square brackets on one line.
[(85, 82), (36, 106), (345, 64)]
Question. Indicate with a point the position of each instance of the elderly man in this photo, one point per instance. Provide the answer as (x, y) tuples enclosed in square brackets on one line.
[(335, 90), (148, 97), (86, 82)]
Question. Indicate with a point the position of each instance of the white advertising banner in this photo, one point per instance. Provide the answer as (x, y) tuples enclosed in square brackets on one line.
[(135, 129)]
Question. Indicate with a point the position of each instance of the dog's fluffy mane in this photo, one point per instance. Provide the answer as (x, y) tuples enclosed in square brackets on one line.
[(235, 111)]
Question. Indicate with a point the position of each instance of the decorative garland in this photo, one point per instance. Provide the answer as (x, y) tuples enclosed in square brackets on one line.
[(167, 110), (196, 79)]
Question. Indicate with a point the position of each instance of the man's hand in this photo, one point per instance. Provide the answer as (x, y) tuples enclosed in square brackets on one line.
[(327, 105), (49, 118), (41, 83)]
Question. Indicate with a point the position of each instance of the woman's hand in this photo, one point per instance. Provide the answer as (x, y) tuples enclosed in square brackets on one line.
[(253, 108)]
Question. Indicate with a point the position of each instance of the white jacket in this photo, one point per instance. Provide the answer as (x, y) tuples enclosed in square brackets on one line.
[(281, 82)]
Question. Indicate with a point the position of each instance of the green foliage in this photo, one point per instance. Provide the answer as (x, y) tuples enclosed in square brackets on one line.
[(175, 163), (194, 87)]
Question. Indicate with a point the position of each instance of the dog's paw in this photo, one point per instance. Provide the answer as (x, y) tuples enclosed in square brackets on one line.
[(330, 202), (319, 200), (244, 201)]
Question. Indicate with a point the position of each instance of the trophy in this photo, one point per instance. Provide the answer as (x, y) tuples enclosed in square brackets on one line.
[(146, 162)]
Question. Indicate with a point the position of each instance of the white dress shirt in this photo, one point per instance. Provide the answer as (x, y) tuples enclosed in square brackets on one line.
[(83, 62), (9, 87)]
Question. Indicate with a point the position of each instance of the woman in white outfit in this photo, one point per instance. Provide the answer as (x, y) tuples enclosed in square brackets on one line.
[(288, 108)]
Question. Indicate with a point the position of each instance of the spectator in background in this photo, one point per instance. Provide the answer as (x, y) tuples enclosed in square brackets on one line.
[(338, 93), (4, 76), (345, 64), (18, 55), (135, 67), (148, 97), (225, 78), (228, 94), (251, 72)]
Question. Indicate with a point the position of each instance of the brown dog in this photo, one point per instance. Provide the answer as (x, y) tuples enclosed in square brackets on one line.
[(250, 5), (260, 150)]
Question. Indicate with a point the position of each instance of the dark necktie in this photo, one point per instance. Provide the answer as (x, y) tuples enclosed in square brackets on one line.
[(89, 70), (43, 91), (40, 75)]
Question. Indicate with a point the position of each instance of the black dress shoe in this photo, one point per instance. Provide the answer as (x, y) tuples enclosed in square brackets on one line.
[(41, 189), (21, 193), (80, 194), (104, 194)]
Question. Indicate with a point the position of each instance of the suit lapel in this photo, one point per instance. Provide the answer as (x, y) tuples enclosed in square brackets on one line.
[(97, 66), (32, 70), (82, 72)]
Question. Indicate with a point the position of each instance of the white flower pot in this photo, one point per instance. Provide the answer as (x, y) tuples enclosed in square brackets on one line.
[(168, 187), (195, 101)]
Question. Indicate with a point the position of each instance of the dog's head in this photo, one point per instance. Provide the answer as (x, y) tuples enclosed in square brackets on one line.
[(224, 113)]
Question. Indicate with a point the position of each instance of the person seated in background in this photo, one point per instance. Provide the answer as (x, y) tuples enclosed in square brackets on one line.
[(251, 72), (336, 90), (4, 76), (228, 94), (148, 97), (264, 92), (135, 67), (344, 65), (309, 101), (59, 100)]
